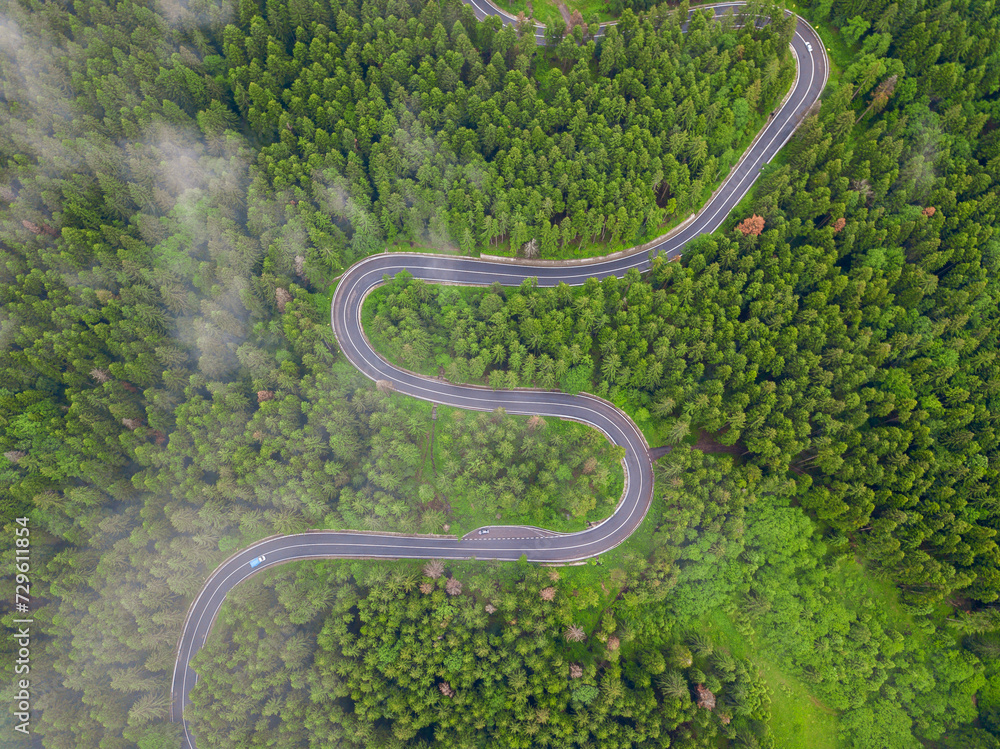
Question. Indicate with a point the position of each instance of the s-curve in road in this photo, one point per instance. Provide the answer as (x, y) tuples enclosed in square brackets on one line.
[(504, 543)]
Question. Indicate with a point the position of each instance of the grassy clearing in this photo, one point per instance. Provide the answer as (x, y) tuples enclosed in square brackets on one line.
[(588, 9), (514, 7), (798, 720), (850, 574), (547, 11)]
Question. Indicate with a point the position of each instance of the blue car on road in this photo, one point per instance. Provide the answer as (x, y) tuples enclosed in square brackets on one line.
[(257, 561)]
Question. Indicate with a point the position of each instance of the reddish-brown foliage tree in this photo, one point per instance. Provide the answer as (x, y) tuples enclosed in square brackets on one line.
[(753, 225)]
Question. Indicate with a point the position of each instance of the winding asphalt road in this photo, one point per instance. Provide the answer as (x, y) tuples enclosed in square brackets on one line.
[(505, 542)]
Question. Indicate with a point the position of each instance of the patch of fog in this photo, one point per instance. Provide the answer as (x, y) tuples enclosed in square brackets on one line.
[(39, 113), (919, 167), (8, 330), (180, 15)]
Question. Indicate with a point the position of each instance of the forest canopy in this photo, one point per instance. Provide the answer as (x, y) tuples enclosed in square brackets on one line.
[(181, 183), (428, 127)]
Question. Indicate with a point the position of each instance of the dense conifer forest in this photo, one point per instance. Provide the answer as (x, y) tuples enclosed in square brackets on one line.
[(181, 183)]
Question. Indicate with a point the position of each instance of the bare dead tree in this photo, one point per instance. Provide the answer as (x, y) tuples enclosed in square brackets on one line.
[(281, 298), (434, 569), (882, 93)]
